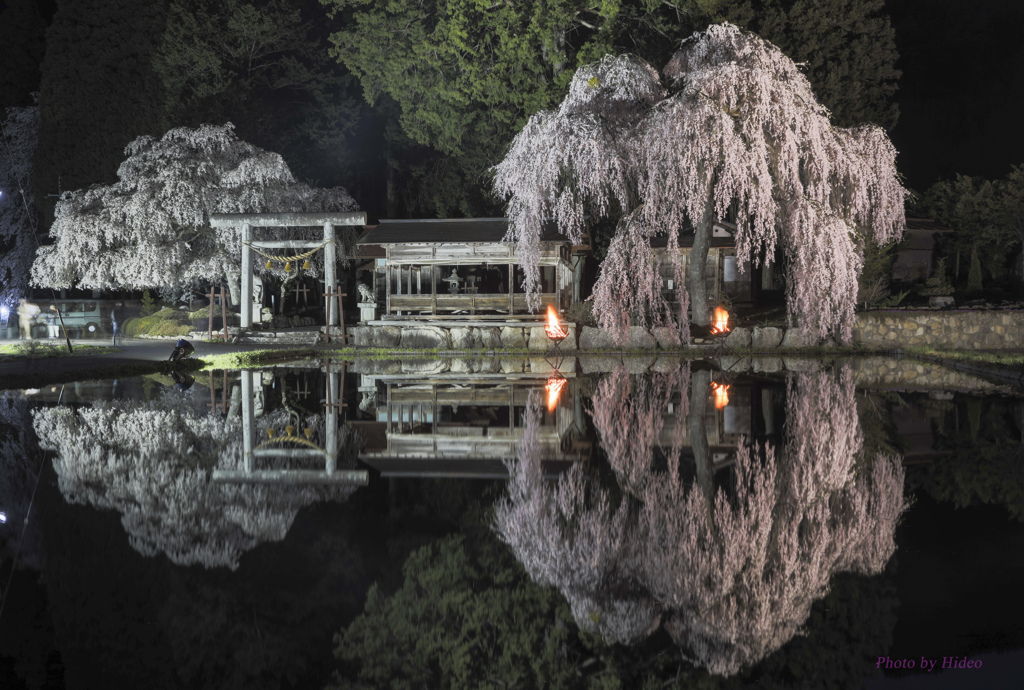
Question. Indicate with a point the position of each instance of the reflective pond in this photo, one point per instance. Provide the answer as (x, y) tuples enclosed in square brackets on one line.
[(489, 523)]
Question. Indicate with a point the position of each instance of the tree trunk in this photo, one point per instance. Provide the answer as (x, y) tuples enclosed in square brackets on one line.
[(696, 276), (700, 384), (234, 281), (285, 284)]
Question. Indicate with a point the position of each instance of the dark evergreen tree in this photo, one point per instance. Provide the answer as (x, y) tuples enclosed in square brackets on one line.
[(466, 77), (22, 42), (98, 92), (465, 615), (18, 218), (987, 215), (264, 67)]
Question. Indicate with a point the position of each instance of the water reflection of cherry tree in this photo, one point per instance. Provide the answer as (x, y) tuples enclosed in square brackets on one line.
[(152, 462), (20, 538), (730, 574)]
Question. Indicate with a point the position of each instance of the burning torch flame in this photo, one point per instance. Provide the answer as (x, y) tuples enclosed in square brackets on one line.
[(721, 321), (721, 395), (554, 389), (554, 329)]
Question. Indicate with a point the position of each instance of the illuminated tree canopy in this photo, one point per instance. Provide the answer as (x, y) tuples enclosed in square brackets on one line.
[(151, 462), (737, 134), (151, 228), (731, 576)]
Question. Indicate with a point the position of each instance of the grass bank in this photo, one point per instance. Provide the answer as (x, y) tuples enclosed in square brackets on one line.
[(38, 379), (45, 349), (1013, 360)]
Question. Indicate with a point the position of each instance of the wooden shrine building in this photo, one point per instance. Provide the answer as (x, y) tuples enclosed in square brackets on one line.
[(461, 269)]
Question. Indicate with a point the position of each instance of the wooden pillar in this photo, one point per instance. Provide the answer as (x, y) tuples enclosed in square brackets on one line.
[(387, 292), (577, 279), (246, 276), (719, 272), (248, 419), (224, 312), (433, 289), (330, 273), (511, 283)]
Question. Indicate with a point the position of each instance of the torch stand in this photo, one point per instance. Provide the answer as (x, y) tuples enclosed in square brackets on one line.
[(554, 356)]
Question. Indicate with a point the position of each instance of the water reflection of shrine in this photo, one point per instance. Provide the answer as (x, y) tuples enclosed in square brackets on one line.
[(465, 425)]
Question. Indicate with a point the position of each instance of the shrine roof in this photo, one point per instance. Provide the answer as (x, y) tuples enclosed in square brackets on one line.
[(446, 231)]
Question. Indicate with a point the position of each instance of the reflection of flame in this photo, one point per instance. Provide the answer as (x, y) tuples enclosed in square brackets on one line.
[(721, 321), (554, 389), (554, 329), (721, 395)]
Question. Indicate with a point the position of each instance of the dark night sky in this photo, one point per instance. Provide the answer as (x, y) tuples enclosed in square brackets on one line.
[(962, 91)]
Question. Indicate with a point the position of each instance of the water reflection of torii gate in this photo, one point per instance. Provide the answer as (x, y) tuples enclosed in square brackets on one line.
[(330, 475), (248, 221)]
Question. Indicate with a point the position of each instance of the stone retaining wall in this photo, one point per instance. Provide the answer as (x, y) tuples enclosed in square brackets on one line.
[(910, 374), (958, 329), (953, 329), (423, 337), (868, 372)]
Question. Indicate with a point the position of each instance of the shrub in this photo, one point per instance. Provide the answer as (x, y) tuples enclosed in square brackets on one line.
[(166, 322), (581, 314), (148, 303), (974, 286)]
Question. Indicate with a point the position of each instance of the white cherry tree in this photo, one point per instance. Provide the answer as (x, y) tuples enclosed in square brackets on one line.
[(151, 461), (152, 227)]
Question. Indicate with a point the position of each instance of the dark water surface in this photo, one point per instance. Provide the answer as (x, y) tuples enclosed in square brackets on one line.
[(487, 524)]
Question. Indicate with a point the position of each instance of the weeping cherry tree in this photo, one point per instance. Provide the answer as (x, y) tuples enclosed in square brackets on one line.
[(152, 227), (731, 574), (738, 134)]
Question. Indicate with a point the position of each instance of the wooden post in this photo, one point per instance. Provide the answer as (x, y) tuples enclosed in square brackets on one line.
[(224, 312), (212, 296), (303, 291), (341, 315), (433, 288), (65, 331), (387, 272)]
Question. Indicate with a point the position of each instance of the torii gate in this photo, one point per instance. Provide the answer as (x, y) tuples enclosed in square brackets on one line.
[(330, 475), (248, 221)]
